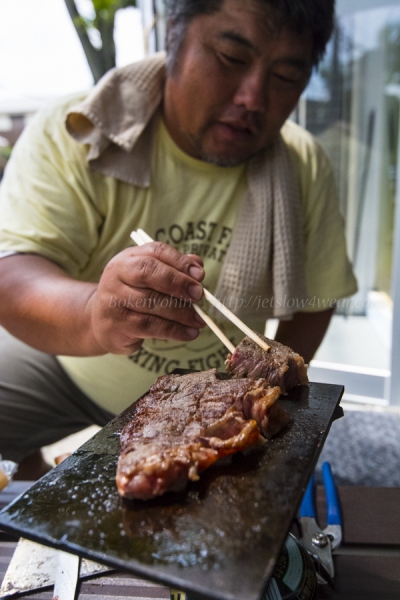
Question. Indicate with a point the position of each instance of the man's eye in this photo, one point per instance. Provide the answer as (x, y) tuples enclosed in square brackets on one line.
[(289, 79), (232, 60)]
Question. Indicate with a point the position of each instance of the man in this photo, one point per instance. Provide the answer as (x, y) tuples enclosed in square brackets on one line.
[(200, 155)]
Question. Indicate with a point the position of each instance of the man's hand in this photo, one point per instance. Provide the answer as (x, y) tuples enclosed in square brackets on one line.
[(146, 292), (143, 292)]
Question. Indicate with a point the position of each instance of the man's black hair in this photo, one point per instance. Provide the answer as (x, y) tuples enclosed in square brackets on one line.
[(315, 16)]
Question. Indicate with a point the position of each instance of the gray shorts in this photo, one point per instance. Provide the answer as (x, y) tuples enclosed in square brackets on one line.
[(39, 404)]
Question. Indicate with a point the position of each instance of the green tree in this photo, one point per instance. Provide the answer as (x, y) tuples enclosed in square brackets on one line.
[(96, 32)]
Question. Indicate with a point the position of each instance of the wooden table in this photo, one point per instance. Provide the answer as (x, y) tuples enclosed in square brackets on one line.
[(367, 565)]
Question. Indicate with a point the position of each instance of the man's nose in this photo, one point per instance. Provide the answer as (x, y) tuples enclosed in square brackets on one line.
[(251, 93)]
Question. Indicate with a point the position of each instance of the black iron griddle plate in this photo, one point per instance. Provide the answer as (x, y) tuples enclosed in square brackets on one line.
[(218, 539)]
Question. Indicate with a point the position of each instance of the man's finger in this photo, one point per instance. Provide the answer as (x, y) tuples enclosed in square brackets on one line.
[(172, 257), (140, 269), (150, 302), (152, 326)]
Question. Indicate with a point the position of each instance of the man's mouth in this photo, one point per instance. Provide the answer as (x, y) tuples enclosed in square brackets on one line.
[(236, 129)]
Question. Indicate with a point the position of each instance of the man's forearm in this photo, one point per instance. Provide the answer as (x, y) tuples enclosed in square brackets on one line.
[(304, 332), (134, 299), (45, 308)]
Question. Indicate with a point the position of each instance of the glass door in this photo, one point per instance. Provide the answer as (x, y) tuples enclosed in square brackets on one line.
[(352, 106)]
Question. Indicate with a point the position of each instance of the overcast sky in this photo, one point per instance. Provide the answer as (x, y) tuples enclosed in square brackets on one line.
[(40, 53), (41, 56)]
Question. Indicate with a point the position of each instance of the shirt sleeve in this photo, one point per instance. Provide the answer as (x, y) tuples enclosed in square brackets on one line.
[(329, 273), (47, 200)]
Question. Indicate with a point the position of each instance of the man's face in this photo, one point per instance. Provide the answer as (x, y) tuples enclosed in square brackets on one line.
[(234, 83)]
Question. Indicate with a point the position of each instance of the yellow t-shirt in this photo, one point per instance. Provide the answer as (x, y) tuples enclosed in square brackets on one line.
[(80, 219), (165, 211)]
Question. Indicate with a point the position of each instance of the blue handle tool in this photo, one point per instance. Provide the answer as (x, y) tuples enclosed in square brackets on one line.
[(307, 508), (332, 499)]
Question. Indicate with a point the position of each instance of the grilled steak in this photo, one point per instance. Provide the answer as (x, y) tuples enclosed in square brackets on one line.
[(187, 422), (279, 366)]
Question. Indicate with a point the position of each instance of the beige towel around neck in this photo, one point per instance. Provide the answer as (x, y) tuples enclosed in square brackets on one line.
[(263, 274)]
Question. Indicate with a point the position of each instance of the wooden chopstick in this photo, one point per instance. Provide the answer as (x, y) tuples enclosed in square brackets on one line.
[(235, 320), (140, 238), (222, 308), (214, 327), (145, 238)]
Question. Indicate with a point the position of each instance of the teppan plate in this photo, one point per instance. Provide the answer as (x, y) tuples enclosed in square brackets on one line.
[(218, 539)]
